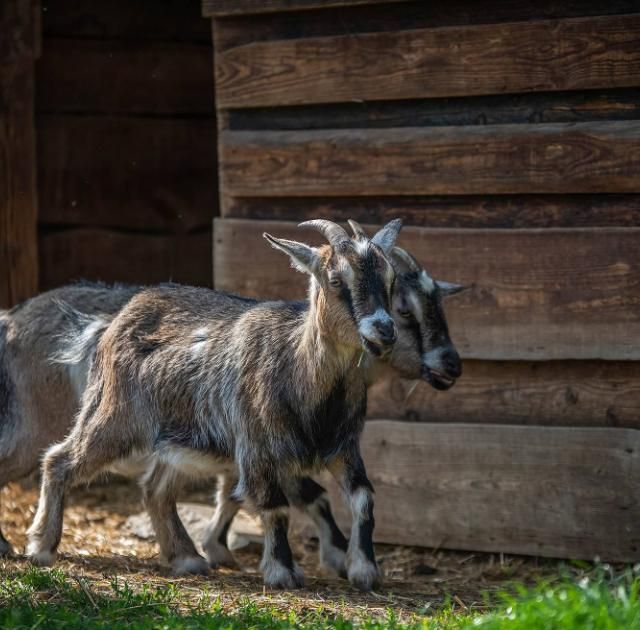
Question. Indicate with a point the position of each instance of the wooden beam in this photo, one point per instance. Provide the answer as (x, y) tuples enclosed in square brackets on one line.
[(142, 77), (18, 195), (558, 492), (141, 173), (496, 159), (219, 8), (544, 55), (452, 211), (537, 294), (553, 393), (115, 256)]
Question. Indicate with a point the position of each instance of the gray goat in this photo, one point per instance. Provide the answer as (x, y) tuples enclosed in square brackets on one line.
[(200, 382)]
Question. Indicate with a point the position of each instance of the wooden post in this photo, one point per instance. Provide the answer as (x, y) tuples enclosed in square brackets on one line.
[(19, 42)]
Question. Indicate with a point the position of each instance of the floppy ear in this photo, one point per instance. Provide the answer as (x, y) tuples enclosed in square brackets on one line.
[(303, 257), (386, 237), (450, 288)]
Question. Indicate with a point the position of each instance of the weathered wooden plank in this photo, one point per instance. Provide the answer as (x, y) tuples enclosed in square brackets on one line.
[(174, 20), (555, 393), (501, 109), (501, 211), (571, 54), (78, 75), (143, 173), (493, 159), (218, 8), (18, 194), (231, 31), (537, 294), (559, 492), (113, 256)]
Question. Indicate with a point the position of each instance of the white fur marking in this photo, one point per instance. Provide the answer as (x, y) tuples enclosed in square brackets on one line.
[(367, 324), (426, 282)]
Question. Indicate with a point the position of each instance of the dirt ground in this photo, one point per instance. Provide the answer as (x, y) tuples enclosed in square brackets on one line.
[(97, 545)]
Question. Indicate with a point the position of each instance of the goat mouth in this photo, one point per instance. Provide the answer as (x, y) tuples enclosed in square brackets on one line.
[(438, 380), (373, 348)]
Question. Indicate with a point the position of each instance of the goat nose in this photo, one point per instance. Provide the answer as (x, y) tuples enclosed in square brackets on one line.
[(452, 364), (386, 331)]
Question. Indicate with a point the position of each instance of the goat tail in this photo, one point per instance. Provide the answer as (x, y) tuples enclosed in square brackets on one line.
[(78, 342)]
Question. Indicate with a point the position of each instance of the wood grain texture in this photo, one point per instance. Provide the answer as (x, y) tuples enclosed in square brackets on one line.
[(112, 256), (486, 211), (232, 31), (83, 76), (537, 294), (174, 20), (493, 159), (218, 8), (142, 173), (553, 393), (558, 492), (545, 55), (543, 107), (18, 194)]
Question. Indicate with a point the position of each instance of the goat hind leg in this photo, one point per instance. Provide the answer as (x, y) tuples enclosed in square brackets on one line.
[(310, 497), (160, 488), (215, 543)]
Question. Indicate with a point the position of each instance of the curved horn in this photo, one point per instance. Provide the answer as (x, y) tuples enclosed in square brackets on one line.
[(405, 259), (335, 234), (358, 232)]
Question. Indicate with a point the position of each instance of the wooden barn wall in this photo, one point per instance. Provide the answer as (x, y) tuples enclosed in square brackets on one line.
[(507, 136), (19, 48), (126, 138)]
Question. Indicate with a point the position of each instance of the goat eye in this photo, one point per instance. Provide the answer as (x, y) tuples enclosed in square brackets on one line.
[(404, 312), (335, 282)]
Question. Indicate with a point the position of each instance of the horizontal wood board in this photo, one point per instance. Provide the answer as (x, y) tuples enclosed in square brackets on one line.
[(528, 56), (552, 393), (451, 211), (536, 294), (493, 159), (558, 492)]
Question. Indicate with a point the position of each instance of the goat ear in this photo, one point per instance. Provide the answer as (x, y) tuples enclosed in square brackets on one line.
[(450, 288), (303, 257), (386, 237)]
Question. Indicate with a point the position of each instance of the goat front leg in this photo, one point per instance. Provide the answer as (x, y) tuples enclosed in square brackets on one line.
[(215, 543), (160, 487), (350, 473)]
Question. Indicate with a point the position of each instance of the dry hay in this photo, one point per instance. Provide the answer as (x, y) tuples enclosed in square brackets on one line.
[(97, 545)]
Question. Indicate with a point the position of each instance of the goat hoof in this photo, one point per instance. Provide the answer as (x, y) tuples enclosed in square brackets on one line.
[(190, 565), (364, 577), (220, 556), (40, 557), (279, 577)]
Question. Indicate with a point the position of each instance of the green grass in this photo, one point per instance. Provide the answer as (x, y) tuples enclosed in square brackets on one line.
[(50, 599)]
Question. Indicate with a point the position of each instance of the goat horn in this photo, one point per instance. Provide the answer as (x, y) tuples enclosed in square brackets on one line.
[(335, 234), (404, 257), (358, 232)]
